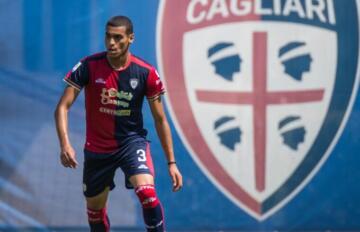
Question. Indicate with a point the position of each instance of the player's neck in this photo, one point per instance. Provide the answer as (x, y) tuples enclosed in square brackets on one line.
[(121, 62)]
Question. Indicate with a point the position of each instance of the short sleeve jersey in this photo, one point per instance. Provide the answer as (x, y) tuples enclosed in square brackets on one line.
[(113, 99)]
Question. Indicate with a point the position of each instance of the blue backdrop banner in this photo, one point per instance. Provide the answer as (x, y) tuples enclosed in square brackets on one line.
[(262, 99)]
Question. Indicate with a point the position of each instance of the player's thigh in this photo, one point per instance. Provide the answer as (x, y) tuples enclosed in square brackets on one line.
[(137, 164), (99, 201), (141, 179), (98, 174)]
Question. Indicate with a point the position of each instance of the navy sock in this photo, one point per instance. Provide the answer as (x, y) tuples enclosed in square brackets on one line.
[(154, 219)]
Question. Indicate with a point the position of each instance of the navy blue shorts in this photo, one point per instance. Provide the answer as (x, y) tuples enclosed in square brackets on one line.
[(99, 169)]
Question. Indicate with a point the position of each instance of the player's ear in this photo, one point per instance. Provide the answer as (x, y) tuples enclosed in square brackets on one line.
[(132, 37)]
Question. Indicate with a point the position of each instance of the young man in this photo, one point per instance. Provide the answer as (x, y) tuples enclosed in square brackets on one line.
[(115, 84)]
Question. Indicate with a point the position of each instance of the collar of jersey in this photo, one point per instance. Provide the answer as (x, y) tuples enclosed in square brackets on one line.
[(122, 68)]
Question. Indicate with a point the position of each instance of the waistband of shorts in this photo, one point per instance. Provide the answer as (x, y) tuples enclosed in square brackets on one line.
[(96, 154)]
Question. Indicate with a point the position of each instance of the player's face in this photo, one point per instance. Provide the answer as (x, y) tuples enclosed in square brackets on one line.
[(117, 41)]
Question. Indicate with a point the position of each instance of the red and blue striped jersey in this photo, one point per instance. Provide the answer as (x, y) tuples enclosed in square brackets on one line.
[(113, 99)]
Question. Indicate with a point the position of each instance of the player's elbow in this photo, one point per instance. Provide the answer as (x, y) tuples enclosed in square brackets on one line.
[(161, 122), (159, 119), (56, 112)]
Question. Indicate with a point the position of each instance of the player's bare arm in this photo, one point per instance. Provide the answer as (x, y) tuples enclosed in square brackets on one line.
[(67, 153), (164, 133)]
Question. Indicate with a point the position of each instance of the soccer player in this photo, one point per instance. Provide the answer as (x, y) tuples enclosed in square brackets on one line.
[(115, 84)]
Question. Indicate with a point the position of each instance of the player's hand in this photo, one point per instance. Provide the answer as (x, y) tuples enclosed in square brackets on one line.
[(175, 177), (68, 157)]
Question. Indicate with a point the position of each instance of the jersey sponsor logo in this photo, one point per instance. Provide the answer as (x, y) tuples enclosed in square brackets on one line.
[(113, 97), (118, 98), (113, 93), (115, 112), (265, 99)]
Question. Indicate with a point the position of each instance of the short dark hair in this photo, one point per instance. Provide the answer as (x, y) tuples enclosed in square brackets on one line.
[(119, 21)]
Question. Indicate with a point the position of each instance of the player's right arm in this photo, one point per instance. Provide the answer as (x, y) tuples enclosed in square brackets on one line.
[(67, 153), (76, 79)]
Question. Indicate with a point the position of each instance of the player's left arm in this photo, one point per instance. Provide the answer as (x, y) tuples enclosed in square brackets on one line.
[(164, 133)]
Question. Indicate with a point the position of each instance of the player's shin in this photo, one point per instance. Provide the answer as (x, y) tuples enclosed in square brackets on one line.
[(98, 220), (152, 210)]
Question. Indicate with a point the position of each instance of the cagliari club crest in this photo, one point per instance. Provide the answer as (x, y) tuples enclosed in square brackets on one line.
[(259, 91)]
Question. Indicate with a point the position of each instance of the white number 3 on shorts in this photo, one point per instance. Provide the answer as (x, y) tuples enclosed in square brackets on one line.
[(142, 155)]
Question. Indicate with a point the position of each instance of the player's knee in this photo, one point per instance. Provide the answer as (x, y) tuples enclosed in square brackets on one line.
[(99, 201), (147, 196)]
